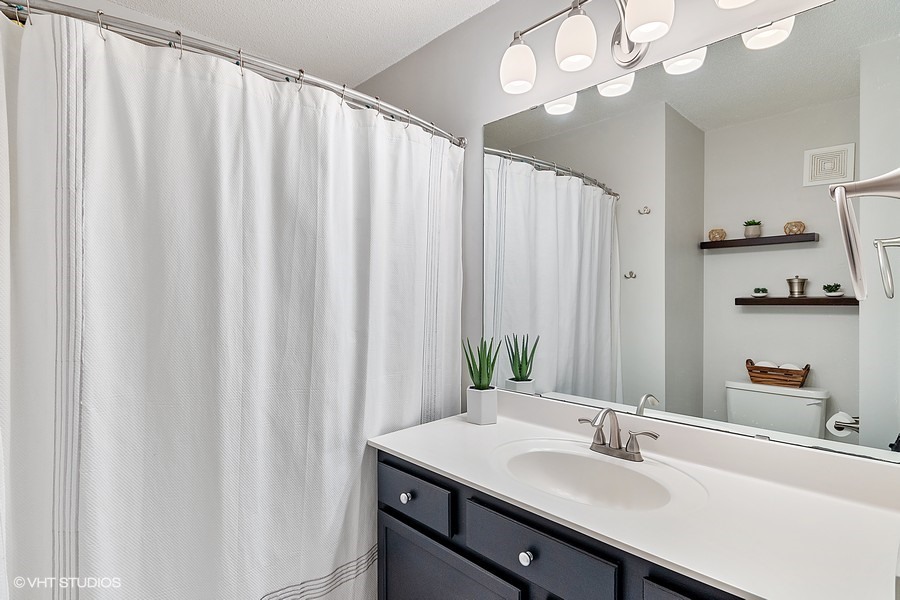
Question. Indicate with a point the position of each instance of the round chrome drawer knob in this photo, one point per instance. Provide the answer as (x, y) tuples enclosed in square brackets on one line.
[(525, 558), (405, 497)]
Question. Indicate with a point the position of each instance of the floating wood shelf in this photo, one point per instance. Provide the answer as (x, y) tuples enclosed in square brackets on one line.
[(761, 241), (808, 301)]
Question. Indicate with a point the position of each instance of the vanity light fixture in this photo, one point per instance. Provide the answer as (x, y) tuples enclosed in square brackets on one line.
[(640, 22), (576, 41), (648, 20), (518, 68), (616, 87), (562, 106), (729, 4), (768, 35), (686, 63)]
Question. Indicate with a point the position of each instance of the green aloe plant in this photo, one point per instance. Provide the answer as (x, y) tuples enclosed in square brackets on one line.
[(481, 363), (521, 359)]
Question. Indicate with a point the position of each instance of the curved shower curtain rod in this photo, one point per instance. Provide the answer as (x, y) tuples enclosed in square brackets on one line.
[(153, 36), (551, 166)]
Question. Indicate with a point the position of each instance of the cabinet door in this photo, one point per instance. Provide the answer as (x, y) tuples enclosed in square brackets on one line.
[(412, 566)]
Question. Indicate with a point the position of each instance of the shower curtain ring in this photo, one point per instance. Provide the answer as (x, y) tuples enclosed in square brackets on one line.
[(432, 130), (343, 91), (408, 118), (378, 104), (100, 24), (300, 79), (180, 44), (241, 60)]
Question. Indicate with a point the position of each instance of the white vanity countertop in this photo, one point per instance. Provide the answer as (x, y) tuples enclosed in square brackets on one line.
[(780, 522)]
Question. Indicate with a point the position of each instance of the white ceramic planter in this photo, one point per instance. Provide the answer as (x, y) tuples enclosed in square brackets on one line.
[(752, 231), (523, 387), (481, 406), (836, 294)]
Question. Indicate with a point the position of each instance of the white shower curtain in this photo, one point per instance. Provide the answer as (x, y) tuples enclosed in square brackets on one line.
[(9, 58), (225, 285), (552, 269)]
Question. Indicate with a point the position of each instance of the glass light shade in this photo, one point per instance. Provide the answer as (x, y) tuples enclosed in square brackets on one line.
[(686, 63), (616, 87), (729, 4), (768, 36), (576, 42), (518, 68), (562, 106), (648, 20)]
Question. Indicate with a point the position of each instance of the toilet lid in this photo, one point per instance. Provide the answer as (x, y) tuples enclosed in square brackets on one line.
[(806, 392)]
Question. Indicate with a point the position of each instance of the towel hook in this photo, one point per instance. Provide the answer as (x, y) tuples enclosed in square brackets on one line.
[(630, 275), (644, 211), (100, 24)]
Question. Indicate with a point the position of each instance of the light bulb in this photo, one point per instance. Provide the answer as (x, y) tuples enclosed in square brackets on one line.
[(616, 87), (686, 63), (518, 68), (576, 42), (562, 106), (729, 4), (768, 36), (648, 20)]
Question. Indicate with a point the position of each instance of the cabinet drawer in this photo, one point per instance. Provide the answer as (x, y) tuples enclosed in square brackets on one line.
[(414, 567), (559, 568), (425, 502), (654, 591)]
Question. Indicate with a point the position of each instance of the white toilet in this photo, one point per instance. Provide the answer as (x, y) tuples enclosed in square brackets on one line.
[(792, 410)]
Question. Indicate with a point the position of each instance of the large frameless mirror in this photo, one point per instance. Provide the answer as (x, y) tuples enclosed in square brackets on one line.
[(672, 233)]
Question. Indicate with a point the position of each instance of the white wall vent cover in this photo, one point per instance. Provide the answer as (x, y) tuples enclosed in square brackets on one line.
[(834, 164)]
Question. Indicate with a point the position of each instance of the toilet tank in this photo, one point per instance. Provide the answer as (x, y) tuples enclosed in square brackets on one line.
[(793, 410)]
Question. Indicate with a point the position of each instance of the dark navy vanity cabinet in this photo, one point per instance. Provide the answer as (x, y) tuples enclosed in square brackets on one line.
[(438, 539)]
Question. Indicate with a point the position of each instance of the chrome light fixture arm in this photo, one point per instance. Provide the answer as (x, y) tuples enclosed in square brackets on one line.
[(625, 53)]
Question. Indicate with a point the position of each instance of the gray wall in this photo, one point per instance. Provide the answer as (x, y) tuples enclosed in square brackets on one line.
[(755, 170), (684, 265), (454, 82), (879, 318)]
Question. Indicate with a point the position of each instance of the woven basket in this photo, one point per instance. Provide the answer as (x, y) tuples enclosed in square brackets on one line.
[(776, 376)]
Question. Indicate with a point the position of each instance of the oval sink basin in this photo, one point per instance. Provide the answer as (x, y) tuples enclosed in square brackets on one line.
[(570, 470)]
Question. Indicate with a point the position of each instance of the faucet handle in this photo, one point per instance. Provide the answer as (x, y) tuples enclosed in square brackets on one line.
[(632, 444), (597, 424)]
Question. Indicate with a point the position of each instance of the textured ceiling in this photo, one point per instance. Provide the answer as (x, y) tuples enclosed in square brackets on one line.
[(346, 42), (817, 64)]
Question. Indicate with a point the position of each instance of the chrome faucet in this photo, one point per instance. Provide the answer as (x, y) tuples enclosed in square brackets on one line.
[(654, 401), (613, 447)]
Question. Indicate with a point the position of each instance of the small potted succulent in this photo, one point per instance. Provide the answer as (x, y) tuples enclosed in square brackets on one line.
[(760, 292), (521, 362), (752, 228), (481, 397), (833, 290)]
